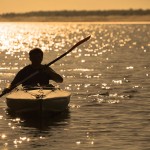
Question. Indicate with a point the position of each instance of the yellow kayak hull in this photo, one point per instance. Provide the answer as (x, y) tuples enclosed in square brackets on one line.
[(41, 100)]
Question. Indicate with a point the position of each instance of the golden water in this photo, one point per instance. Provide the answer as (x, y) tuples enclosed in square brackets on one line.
[(108, 76)]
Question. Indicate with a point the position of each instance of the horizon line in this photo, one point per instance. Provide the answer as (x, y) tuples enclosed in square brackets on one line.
[(84, 10)]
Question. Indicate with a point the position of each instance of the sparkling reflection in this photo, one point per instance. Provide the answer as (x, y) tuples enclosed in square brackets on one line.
[(3, 136), (110, 96)]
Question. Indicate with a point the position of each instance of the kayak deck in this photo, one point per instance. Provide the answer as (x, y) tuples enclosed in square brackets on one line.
[(44, 100)]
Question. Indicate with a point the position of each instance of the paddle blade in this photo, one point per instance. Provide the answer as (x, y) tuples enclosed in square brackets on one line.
[(4, 92)]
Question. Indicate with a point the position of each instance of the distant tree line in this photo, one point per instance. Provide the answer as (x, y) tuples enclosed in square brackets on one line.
[(74, 13)]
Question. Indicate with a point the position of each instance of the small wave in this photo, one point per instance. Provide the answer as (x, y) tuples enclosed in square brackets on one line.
[(131, 91)]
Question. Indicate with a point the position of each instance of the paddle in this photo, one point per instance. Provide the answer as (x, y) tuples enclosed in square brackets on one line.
[(50, 63)]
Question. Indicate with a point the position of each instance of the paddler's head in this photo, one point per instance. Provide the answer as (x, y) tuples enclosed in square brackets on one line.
[(36, 56)]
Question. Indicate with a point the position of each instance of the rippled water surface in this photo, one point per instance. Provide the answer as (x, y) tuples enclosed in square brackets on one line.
[(108, 77)]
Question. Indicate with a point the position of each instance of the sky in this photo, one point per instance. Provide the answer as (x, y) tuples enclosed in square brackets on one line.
[(7, 6)]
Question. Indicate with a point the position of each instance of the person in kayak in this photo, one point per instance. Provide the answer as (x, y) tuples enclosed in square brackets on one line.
[(42, 78)]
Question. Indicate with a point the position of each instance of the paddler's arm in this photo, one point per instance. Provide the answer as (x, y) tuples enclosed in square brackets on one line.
[(12, 85), (53, 75), (19, 77)]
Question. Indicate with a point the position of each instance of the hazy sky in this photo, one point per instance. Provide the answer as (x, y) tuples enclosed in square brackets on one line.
[(36, 5)]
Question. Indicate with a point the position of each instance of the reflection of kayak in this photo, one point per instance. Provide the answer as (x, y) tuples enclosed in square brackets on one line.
[(38, 100)]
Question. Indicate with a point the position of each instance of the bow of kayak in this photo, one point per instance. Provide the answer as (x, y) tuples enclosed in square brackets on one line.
[(38, 100)]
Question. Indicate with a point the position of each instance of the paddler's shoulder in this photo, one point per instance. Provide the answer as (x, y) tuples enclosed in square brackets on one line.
[(28, 67)]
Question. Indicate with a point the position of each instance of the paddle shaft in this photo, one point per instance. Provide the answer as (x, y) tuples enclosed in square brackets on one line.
[(50, 63), (76, 45)]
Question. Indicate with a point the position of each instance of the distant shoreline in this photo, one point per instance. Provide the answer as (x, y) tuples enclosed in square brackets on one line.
[(110, 18), (79, 16)]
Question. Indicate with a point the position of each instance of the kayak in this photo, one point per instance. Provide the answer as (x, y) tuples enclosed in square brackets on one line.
[(38, 99)]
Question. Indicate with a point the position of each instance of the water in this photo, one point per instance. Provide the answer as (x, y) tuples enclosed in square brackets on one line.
[(108, 77)]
